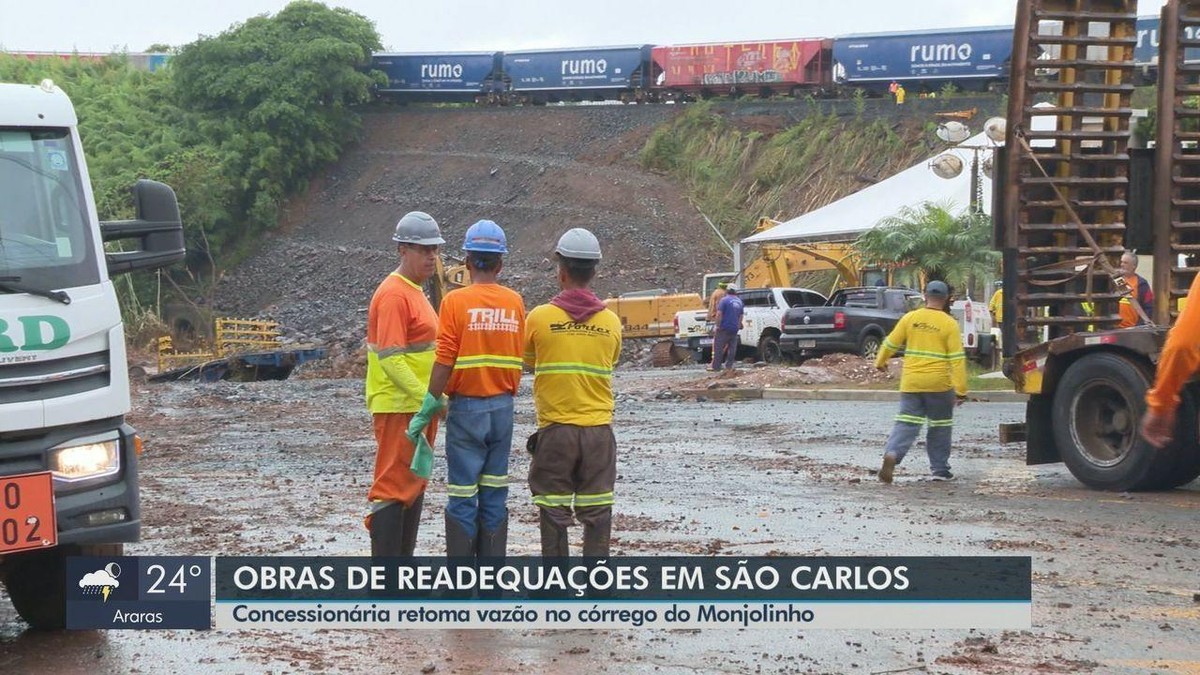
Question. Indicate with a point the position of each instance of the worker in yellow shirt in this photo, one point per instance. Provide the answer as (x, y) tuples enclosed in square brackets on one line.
[(573, 343), (933, 382), (996, 308), (996, 304)]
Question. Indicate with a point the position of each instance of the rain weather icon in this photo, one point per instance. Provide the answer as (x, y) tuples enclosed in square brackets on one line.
[(101, 581)]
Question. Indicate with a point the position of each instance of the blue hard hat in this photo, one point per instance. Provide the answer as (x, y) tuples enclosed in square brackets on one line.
[(485, 236)]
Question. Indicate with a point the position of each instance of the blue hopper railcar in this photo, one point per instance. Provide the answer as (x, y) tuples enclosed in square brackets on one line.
[(441, 77), (971, 59), (588, 74)]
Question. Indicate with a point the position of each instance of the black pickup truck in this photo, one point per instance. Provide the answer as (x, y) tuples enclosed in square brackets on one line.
[(855, 320)]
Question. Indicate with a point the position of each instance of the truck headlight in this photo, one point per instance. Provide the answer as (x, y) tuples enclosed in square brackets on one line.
[(87, 460)]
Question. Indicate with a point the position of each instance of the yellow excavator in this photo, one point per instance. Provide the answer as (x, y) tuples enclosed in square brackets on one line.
[(651, 314)]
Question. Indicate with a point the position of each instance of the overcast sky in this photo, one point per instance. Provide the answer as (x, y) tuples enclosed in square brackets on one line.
[(443, 25)]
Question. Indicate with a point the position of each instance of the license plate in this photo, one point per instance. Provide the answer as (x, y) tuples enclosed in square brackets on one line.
[(27, 512), (806, 344)]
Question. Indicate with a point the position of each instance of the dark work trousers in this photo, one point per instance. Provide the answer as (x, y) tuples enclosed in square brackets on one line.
[(725, 346), (575, 468)]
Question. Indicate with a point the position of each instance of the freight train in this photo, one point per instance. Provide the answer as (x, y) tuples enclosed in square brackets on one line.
[(970, 59)]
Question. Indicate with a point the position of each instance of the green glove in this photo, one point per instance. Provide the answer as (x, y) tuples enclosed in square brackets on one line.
[(429, 407), (422, 461)]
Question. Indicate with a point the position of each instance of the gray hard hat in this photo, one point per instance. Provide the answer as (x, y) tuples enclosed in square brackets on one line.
[(937, 289), (417, 227), (578, 243)]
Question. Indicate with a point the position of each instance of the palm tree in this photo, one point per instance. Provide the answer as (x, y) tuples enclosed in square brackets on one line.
[(953, 248)]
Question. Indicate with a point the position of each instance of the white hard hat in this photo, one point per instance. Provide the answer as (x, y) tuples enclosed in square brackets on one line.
[(578, 243), (419, 228)]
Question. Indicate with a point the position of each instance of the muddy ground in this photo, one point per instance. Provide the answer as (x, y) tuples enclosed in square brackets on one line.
[(283, 468)]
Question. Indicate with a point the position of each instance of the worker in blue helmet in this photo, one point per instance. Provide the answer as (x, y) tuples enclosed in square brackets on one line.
[(477, 363)]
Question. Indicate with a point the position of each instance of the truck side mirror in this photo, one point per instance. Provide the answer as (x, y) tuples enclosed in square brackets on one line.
[(157, 229)]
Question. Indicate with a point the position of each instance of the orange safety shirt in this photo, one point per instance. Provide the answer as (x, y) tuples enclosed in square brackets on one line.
[(1145, 297), (481, 334), (1180, 357), (401, 329)]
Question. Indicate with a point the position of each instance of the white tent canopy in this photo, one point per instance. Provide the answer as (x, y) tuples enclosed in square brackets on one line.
[(852, 215)]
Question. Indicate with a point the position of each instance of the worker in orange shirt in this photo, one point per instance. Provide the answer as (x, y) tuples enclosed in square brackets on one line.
[(1180, 359), (480, 349), (1141, 292), (401, 329)]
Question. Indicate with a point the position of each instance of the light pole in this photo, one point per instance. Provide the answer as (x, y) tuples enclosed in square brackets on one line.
[(949, 165)]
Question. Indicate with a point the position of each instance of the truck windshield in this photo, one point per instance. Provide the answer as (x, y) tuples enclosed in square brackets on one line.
[(45, 239)]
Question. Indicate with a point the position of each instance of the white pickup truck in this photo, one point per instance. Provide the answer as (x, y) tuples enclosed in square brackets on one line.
[(760, 324)]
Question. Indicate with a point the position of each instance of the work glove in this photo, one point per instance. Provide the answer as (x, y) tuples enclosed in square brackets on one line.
[(429, 408), (422, 462)]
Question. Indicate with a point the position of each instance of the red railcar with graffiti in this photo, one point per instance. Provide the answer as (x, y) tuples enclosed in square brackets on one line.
[(744, 68)]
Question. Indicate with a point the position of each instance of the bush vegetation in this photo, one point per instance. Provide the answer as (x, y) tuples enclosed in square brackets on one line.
[(234, 123)]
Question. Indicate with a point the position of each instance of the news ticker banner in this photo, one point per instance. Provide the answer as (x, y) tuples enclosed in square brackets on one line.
[(637, 592)]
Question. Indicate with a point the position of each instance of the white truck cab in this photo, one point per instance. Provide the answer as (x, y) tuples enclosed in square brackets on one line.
[(68, 460)]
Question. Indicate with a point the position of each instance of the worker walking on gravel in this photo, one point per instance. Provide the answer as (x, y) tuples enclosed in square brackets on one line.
[(401, 329), (933, 382), (478, 364), (573, 344)]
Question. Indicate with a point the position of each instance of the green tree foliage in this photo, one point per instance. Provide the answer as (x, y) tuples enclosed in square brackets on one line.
[(942, 245), (273, 95), (235, 123)]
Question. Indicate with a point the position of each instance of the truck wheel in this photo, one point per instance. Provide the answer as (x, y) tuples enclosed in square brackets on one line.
[(768, 349), (35, 582), (868, 348), (1096, 410)]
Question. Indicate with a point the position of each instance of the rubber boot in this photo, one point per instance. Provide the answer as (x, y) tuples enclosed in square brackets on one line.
[(458, 543), (554, 537), (412, 523), (493, 543), (492, 547), (596, 538), (387, 531), (554, 552)]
